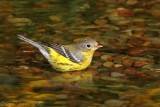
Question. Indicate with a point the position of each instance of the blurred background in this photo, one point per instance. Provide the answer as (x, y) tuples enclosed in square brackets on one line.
[(124, 73)]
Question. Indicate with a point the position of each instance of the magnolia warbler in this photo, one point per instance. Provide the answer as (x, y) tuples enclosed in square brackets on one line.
[(65, 58)]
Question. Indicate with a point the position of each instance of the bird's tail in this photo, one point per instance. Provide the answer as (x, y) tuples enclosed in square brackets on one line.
[(41, 48)]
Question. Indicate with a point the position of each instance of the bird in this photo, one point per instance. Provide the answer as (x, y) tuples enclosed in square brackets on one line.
[(66, 58)]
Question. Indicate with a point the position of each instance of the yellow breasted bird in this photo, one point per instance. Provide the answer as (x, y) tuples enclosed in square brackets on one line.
[(66, 58)]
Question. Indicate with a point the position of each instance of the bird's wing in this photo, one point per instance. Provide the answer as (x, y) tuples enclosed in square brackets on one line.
[(65, 52)]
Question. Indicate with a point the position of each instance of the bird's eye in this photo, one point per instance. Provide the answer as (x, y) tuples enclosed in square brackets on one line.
[(88, 46)]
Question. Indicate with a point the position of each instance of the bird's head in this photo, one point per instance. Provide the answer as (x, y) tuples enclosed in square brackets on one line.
[(88, 45)]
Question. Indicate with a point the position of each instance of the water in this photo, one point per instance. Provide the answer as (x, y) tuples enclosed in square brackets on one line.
[(124, 73)]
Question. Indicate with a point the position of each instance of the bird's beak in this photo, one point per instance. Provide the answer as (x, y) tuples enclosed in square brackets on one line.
[(99, 46)]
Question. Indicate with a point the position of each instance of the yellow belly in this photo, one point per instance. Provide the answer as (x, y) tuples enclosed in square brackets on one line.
[(63, 64)]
